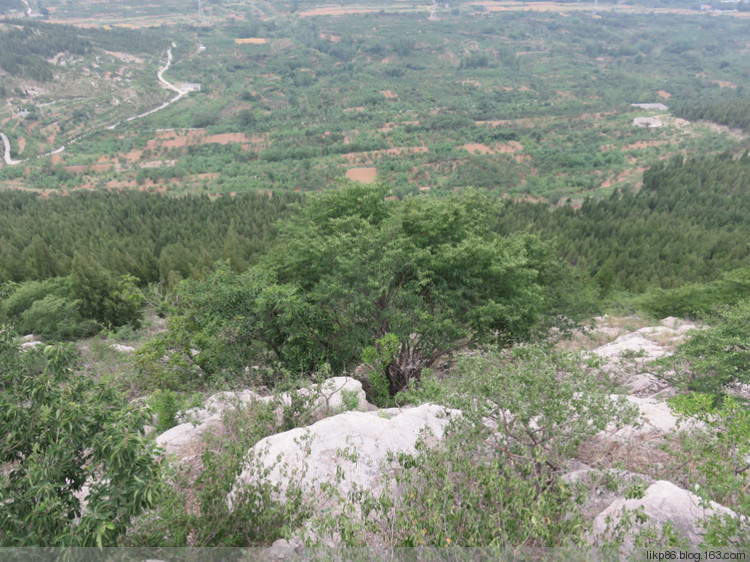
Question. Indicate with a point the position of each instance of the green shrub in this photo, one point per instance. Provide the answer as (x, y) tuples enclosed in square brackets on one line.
[(62, 431), (55, 318), (494, 480), (165, 404), (26, 294), (715, 357), (195, 512)]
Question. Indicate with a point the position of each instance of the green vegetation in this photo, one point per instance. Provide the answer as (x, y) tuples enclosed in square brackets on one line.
[(152, 238), (407, 282), (512, 198), (536, 408), (533, 105), (688, 223), (68, 439), (733, 113)]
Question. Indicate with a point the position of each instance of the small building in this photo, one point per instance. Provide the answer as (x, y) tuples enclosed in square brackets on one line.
[(650, 106)]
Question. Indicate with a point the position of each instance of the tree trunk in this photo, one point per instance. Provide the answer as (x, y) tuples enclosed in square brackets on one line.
[(405, 367)]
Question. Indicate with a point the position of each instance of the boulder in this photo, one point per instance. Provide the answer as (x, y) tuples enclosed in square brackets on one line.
[(331, 396), (123, 348), (662, 503), (655, 419), (348, 451), (30, 345)]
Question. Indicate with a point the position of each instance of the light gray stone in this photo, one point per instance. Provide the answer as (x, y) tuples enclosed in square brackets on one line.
[(347, 451), (327, 398), (662, 503)]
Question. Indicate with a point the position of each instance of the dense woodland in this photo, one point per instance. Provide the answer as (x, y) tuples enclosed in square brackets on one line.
[(687, 226), (688, 223), (733, 113)]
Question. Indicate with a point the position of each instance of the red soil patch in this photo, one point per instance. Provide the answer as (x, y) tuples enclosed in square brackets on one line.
[(251, 41), (725, 84), (134, 155), (225, 138), (364, 175), (21, 144), (508, 147), (370, 156), (663, 93), (477, 148), (389, 95), (492, 123), (639, 145)]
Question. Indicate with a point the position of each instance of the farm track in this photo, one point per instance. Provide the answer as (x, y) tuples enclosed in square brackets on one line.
[(160, 75)]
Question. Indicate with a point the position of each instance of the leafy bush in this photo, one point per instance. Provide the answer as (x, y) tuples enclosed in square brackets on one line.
[(55, 318), (165, 404), (494, 481), (717, 455), (194, 510), (24, 295), (714, 358), (61, 432)]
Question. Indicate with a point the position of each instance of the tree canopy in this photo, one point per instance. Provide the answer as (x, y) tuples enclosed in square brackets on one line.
[(404, 281)]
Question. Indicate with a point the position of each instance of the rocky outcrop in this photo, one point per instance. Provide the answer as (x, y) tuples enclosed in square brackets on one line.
[(330, 397), (662, 503), (629, 355), (349, 451)]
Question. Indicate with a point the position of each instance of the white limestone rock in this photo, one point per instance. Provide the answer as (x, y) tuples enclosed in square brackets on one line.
[(656, 418), (325, 399), (662, 503), (123, 348), (347, 451)]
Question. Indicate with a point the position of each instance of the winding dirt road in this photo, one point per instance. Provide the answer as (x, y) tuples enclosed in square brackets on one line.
[(160, 75)]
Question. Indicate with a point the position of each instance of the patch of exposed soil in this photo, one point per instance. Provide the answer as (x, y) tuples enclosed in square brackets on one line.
[(477, 148), (251, 41), (364, 175)]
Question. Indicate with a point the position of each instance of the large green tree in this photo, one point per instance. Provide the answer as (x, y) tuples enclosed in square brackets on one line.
[(405, 281), (415, 279)]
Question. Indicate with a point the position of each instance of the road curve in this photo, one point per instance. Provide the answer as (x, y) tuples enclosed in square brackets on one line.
[(160, 75), (6, 154)]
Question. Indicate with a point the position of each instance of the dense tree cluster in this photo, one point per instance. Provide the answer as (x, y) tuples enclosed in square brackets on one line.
[(137, 234), (23, 49), (733, 113), (76, 464), (689, 222), (403, 282), (25, 46)]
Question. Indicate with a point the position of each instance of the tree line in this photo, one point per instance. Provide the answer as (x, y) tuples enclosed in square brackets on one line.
[(688, 223)]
